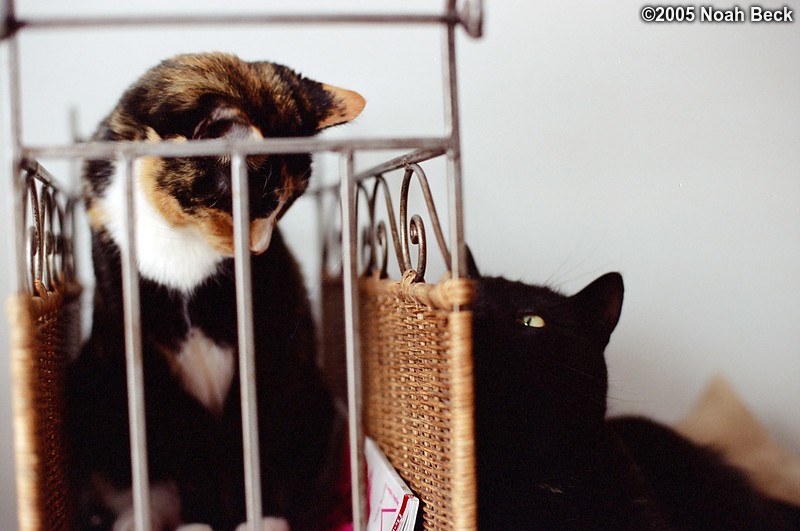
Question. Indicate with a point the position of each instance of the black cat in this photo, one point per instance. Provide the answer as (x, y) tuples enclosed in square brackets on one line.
[(189, 332), (547, 457)]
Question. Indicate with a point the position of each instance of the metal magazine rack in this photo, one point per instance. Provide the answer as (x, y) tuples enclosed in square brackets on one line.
[(413, 394)]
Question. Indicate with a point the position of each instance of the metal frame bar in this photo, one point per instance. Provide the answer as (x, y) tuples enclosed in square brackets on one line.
[(235, 20), (6, 18), (219, 147), (133, 354), (452, 122), (15, 147), (350, 277), (469, 17), (247, 357)]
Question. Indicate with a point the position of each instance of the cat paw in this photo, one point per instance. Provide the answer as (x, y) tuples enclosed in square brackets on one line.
[(127, 522), (165, 507), (270, 523)]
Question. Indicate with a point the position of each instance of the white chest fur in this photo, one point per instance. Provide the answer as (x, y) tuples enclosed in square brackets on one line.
[(205, 369), (177, 257)]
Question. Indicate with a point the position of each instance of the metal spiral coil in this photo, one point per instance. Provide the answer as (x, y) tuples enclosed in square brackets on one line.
[(49, 235), (405, 233)]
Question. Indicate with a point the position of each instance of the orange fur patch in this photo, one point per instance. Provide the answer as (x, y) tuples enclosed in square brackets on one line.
[(162, 201), (97, 215), (216, 226)]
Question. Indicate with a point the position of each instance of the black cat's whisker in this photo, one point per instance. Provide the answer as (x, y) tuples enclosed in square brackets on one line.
[(580, 391), (612, 388), (566, 260), (571, 385), (615, 398), (586, 375), (553, 365), (328, 272)]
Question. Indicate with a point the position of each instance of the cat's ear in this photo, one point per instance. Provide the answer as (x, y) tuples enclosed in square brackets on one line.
[(225, 122), (344, 106), (602, 300), (472, 267)]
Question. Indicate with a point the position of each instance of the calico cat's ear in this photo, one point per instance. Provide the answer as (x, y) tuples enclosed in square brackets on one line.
[(602, 301), (344, 106), (225, 122)]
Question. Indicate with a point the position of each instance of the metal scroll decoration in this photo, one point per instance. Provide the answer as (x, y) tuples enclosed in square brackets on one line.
[(400, 235), (48, 221)]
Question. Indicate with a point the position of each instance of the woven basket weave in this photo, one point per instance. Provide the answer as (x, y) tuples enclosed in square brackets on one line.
[(45, 332), (418, 394)]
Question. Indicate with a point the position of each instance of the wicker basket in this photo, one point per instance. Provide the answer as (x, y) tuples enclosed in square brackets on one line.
[(416, 350), (418, 395), (45, 332)]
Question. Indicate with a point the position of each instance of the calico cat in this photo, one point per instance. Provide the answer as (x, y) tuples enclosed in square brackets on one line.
[(547, 457), (184, 242)]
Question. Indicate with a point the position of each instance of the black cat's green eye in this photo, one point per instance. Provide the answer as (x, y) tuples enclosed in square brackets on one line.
[(532, 320)]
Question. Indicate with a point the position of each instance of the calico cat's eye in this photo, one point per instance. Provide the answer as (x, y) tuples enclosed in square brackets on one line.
[(532, 320)]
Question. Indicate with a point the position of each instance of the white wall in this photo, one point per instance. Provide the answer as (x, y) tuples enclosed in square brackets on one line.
[(595, 142), (592, 142)]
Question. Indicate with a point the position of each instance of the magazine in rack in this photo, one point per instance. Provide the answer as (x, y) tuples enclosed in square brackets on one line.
[(392, 505)]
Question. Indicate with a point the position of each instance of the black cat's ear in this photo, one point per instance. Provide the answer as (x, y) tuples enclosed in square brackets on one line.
[(345, 105), (602, 300), (472, 267)]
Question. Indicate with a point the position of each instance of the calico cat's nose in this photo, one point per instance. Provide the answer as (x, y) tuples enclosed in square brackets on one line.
[(261, 229), (261, 234)]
